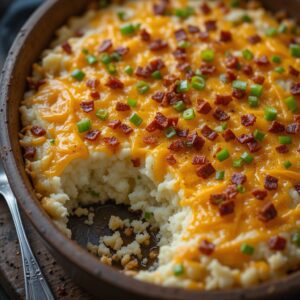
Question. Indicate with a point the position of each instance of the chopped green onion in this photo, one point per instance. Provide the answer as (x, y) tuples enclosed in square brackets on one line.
[(291, 103), (296, 238), (259, 135), (247, 54), (52, 141), (276, 59), (85, 51), (271, 32), (78, 74), (105, 59), (129, 29), (184, 44), (287, 164), (279, 70), (185, 12), (253, 101), (91, 59), (198, 83), (221, 128), (223, 155), (237, 163), (121, 15), (156, 75), (220, 175), (179, 106), (256, 90), (148, 215), (102, 114), (295, 50), (223, 78), (285, 139), (247, 249), (142, 87), (132, 102), (178, 269), (170, 132), (188, 114), (84, 125), (128, 70), (183, 86), (115, 56), (239, 85), (234, 3), (241, 189), (104, 3), (136, 119), (270, 113), (282, 28), (246, 19), (111, 69), (208, 55), (247, 158)]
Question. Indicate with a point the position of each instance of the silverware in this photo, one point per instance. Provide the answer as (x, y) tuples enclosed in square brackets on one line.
[(36, 287)]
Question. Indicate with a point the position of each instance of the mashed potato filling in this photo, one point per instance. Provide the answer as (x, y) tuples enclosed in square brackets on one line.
[(187, 111)]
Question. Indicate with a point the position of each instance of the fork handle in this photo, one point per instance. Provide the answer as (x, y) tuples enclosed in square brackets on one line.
[(36, 287)]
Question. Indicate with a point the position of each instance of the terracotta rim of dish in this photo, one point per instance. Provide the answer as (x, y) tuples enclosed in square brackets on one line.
[(52, 236)]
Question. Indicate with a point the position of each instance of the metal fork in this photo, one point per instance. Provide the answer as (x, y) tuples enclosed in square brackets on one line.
[(36, 287)]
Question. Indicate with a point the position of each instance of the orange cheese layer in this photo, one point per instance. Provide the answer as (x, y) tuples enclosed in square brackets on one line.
[(58, 103)]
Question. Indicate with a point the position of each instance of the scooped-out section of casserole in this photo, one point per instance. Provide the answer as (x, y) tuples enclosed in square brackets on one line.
[(187, 111)]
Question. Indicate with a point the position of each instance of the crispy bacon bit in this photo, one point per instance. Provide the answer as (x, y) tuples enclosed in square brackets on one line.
[(180, 35), (177, 146), (238, 94), (193, 29), (122, 50), (231, 191), (106, 45), (238, 178), (223, 99), (209, 133), (153, 126), (111, 141), (262, 61), (150, 140), (136, 162), (295, 89), (267, 213), (158, 44), (205, 8), (293, 128), (67, 47), (182, 132), (232, 62), (206, 247), (95, 95), (260, 194), (277, 243), (161, 120), (297, 118), (220, 115), (87, 106), (171, 160), (271, 183), (254, 39), (114, 124), (247, 69), (259, 79), (142, 72), (126, 129), (180, 54), (207, 69), (293, 71), (160, 8), (205, 171), (172, 121), (114, 83), (145, 35), (199, 160), (226, 208), (78, 33), (29, 152), (122, 106), (225, 36), (216, 199), (230, 76), (169, 80), (38, 131), (184, 67), (276, 127), (195, 141), (92, 135), (35, 84), (248, 120), (297, 187), (210, 25), (93, 83), (245, 138), (158, 96), (203, 36), (254, 146), (228, 135), (203, 107), (282, 149), (156, 65)]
